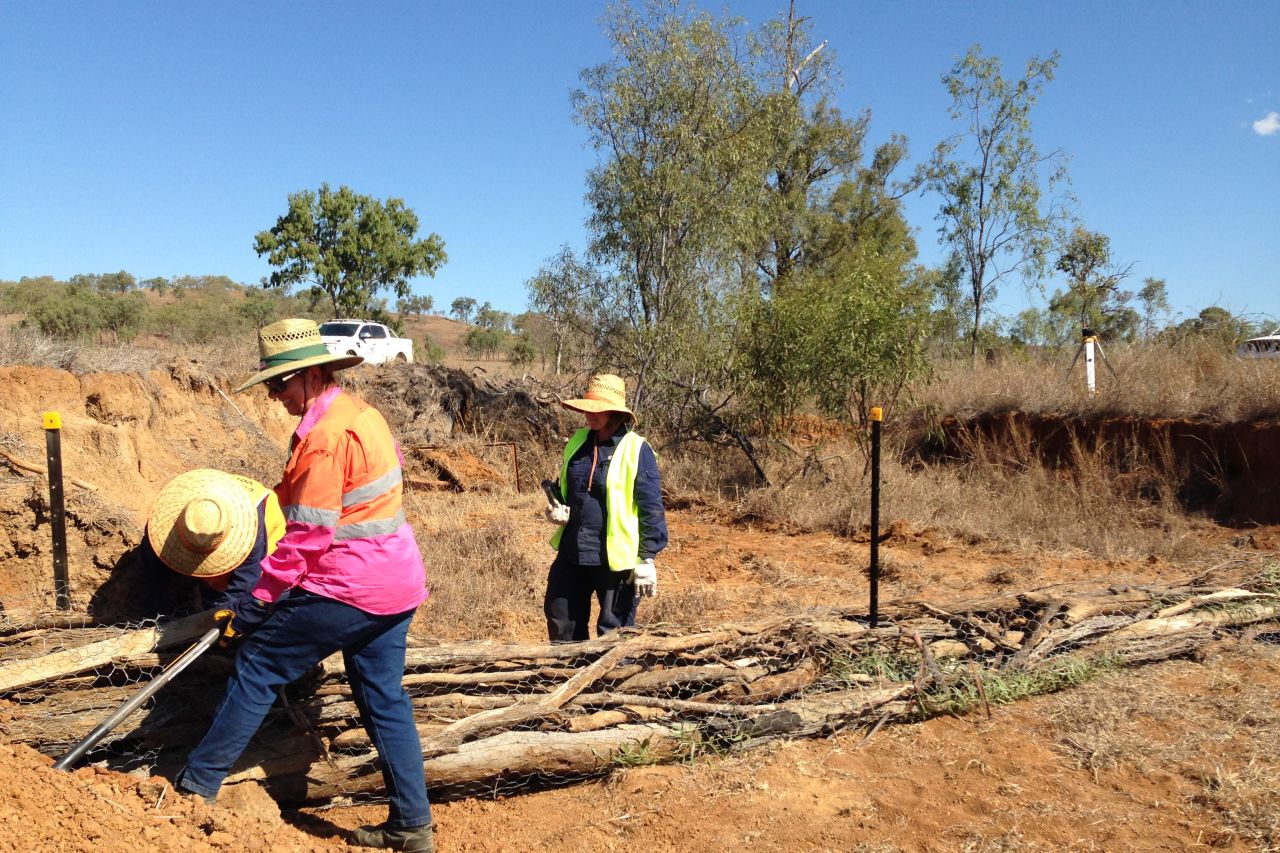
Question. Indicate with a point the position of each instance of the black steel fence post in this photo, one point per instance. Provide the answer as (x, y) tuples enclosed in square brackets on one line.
[(876, 416), (57, 513)]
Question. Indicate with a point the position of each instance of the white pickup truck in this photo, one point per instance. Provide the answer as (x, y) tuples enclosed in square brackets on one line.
[(374, 341)]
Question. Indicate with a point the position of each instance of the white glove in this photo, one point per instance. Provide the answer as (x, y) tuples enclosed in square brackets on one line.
[(558, 514), (646, 575)]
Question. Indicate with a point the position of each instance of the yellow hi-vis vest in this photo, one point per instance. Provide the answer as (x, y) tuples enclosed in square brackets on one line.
[(622, 517), (274, 517)]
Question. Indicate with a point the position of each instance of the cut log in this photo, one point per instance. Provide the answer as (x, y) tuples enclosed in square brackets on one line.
[(22, 673)]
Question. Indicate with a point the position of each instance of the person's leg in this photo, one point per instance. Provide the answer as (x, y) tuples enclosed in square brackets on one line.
[(567, 605), (617, 595), (303, 630), (375, 670)]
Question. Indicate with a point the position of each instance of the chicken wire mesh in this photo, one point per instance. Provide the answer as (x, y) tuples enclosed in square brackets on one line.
[(494, 719)]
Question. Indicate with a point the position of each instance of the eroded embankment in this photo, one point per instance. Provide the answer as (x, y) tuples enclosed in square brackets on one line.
[(1229, 470)]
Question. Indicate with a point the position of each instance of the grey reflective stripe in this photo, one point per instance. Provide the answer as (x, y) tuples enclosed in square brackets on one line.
[(368, 529), (312, 515), (369, 491)]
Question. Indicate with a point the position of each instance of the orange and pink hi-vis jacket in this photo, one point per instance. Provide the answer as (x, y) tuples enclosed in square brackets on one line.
[(346, 536)]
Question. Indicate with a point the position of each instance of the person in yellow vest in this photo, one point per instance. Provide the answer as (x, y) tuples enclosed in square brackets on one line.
[(213, 527), (610, 523)]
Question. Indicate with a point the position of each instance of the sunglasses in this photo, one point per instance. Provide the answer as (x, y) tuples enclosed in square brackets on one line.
[(276, 383)]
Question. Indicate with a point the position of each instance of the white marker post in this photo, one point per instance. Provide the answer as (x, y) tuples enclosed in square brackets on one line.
[(1089, 375)]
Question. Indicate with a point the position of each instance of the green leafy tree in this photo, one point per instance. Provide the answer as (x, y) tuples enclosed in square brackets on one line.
[(1093, 279), (1214, 324), (522, 351), (1154, 299), (998, 211), (259, 308), (28, 292), (565, 292), (416, 305), (348, 247), (671, 118), (481, 342), (488, 317), (461, 308), (429, 351)]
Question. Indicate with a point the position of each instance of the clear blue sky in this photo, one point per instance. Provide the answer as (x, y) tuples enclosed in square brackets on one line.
[(159, 137)]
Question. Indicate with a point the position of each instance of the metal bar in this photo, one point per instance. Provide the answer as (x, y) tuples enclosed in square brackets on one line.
[(131, 704), (876, 416), (57, 511)]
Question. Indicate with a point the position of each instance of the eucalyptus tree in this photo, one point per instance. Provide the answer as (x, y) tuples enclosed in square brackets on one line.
[(672, 118), (830, 248), (1154, 299), (999, 209), (1093, 281), (568, 292), (348, 247)]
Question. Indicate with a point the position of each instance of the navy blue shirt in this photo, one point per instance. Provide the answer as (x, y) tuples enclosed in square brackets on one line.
[(583, 540)]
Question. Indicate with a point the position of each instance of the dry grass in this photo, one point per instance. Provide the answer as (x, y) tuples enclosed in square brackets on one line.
[(26, 347), (995, 495), (486, 577), (1226, 742), (1192, 379)]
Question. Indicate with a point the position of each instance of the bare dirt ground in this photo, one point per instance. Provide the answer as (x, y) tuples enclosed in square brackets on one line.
[(1181, 755)]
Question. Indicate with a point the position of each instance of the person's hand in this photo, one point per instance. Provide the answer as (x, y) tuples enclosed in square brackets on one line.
[(646, 579), (239, 617), (558, 514)]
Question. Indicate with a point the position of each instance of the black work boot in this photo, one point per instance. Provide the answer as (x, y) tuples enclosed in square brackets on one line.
[(416, 839)]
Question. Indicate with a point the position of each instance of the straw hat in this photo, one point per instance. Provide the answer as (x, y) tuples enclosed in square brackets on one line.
[(291, 345), (204, 522), (605, 393)]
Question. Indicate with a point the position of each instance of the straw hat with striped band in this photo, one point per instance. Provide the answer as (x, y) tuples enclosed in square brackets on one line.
[(605, 393), (292, 345), (204, 522)]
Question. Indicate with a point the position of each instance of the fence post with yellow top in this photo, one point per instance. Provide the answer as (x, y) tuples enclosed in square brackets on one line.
[(876, 416), (57, 511)]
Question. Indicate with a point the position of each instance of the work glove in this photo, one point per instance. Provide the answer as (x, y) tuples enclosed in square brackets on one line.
[(240, 617), (558, 514), (646, 579)]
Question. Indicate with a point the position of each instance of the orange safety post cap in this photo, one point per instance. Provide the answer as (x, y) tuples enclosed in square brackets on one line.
[(877, 414)]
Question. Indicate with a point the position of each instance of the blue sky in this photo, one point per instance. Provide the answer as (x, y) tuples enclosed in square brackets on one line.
[(160, 137)]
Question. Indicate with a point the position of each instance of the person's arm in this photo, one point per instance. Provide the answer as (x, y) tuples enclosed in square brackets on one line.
[(311, 522), (244, 577), (648, 496)]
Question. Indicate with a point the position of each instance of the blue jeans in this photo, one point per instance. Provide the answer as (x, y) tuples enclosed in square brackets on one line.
[(305, 629), (567, 604)]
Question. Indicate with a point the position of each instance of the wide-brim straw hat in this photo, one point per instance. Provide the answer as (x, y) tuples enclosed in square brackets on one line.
[(292, 345), (605, 393), (204, 522)]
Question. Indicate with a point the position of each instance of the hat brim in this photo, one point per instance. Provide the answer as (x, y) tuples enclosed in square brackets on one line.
[(596, 406), (339, 362), (234, 492)]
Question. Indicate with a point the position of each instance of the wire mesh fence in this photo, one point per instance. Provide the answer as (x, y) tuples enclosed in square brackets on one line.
[(498, 718)]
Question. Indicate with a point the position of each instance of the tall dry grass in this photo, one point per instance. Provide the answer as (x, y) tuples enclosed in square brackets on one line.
[(485, 571), (1001, 494), (1192, 379), (28, 347)]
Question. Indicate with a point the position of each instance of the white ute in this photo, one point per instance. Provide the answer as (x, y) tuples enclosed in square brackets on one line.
[(374, 341)]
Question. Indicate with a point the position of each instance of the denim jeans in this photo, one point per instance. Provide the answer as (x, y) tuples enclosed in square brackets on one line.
[(304, 630), (567, 604)]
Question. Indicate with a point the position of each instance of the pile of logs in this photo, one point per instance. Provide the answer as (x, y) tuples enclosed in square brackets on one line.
[(493, 717)]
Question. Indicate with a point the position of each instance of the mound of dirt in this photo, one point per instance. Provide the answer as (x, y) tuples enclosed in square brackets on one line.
[(1230, 470), (99, 811), (426, 404)]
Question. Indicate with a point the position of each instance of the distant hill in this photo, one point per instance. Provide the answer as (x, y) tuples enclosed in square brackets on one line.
[(445, 332)]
